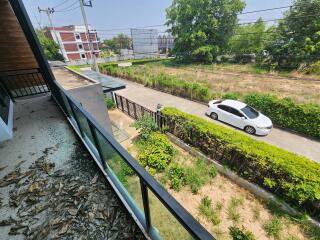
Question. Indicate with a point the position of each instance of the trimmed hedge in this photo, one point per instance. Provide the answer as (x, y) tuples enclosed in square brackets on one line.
[(294, 178), (303, 118)]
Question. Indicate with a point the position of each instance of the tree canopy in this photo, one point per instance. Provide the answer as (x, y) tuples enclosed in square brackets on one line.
[(202, 28), (297, 37), (50, 47), (121, 41), (250, 38)]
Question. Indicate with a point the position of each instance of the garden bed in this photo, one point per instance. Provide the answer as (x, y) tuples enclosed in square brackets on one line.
[(214, 200)]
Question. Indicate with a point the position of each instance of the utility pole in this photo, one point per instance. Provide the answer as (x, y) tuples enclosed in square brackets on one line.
[(50, 11), (88, 33)]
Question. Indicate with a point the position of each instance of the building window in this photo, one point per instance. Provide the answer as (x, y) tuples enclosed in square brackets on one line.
[(77, 35), (80, 46), (83, 56)]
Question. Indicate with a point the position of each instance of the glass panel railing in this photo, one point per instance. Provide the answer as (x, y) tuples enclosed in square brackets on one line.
[(129, 180), (164, 222), (132, 183), (83, 123)]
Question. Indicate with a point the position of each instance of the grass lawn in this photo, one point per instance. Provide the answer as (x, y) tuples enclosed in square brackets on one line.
[(241, 79)]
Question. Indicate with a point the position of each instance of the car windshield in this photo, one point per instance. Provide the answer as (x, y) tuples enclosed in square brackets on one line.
[(250, 112)]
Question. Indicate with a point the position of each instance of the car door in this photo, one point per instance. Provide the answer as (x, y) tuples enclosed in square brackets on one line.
[(224, 113), (237, 119)]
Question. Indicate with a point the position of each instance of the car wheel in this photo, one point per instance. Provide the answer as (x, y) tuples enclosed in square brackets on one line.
[(214, 116), (250, 130)]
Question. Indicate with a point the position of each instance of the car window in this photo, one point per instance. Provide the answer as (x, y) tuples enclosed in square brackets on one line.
[(250, 112), (236, 112), (224, 108)]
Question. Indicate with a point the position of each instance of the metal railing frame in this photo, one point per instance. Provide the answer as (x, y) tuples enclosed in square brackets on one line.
[(25, 82), (64, 100)]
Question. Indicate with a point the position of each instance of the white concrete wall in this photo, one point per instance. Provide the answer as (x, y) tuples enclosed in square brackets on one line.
[(91, 98), (6, 128)]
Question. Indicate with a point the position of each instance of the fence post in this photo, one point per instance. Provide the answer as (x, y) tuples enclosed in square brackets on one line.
[(135, 111), (127, 102), (145, 200), (121, 100)]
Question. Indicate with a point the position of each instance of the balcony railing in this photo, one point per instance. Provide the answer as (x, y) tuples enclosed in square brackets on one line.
[(26, 82), (157, 213), (154, 209)]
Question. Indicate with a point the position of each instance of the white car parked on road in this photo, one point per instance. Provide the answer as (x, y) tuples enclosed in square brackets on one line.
[(240, 115)]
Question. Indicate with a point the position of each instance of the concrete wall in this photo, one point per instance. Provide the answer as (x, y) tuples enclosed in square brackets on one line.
[(91, 98), (6, 128)]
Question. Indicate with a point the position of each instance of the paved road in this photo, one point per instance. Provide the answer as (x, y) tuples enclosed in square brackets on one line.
[(149, 98)]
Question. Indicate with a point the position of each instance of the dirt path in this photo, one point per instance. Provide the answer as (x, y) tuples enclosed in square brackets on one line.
[(149, 98)]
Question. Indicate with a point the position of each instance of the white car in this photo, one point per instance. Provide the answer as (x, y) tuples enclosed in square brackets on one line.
[(240, 115)]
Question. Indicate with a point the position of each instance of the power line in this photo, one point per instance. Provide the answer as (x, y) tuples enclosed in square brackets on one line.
[(69, 10), (69, 6), (60, 4), (265, 10)]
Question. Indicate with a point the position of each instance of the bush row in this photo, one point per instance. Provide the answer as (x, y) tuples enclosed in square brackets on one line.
[(294, 178), (303, 118), (163, 82)]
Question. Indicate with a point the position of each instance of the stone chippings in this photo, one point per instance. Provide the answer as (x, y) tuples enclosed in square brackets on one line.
[(54, 204)]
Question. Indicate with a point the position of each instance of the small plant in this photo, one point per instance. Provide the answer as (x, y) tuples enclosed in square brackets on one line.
[(240, 234), (177, 177), (256, 213), (273, 227), (206, 209), (233, 209), (145, 125), (110, 103), (213, 172), (219, 206)]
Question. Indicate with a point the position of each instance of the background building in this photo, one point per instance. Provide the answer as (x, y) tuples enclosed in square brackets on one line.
[(144, 43), (165, 43), (74, 42)]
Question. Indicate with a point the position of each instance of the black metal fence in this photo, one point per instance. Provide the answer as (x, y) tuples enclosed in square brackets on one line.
[(26, 82), (135, 110)]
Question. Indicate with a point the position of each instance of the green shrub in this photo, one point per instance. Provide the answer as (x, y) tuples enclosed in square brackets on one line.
[(110, 103), (206, 209), (240, 234), (273, 227), (297, 178), (176, 176), (231, 95), (145, 125), (157, 152), (199, 175), (314, 68), (303, 118)]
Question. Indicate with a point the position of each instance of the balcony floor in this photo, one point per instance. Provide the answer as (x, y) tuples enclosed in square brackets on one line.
[(50, 188)]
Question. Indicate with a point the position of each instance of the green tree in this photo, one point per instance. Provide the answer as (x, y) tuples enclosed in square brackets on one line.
[(249, 38), (202, 28), (297, 37), (121, 41), (50, 47)]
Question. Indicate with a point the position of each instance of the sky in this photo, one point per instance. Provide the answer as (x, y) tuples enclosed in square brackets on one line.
[(119, 14)]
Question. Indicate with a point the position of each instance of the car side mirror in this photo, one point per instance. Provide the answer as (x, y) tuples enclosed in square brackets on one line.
[(243, 118)]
